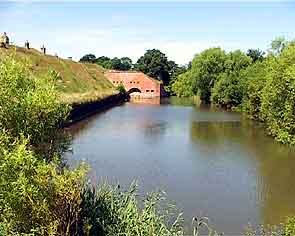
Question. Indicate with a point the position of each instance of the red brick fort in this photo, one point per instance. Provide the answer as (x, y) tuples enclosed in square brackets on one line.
[(136, 83)]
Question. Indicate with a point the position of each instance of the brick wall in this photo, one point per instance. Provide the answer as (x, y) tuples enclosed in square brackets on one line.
[(149, 87)]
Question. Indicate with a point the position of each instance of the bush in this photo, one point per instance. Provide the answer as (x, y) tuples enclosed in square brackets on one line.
[(121, 88), (29, 105), (36, 198)]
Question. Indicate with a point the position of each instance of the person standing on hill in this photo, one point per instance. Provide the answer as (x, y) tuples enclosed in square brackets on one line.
[(4, 40)]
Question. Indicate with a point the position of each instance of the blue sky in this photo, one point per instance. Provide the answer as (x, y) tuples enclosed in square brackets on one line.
[(179, 29)]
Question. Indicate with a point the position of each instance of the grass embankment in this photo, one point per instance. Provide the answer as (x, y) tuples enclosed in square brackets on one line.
[(77, 83)]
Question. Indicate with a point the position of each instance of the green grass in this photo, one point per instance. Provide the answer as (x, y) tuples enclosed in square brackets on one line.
[(78, 83)]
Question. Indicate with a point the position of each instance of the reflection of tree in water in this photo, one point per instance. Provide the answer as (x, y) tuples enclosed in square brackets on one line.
[(275, 163), (214, 133)]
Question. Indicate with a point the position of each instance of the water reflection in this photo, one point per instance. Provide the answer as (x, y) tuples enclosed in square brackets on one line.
[(272, 163), (206, 159)]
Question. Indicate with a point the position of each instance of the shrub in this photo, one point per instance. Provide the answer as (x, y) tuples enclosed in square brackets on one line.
[(36, 198), (29, 105), (121, 88)]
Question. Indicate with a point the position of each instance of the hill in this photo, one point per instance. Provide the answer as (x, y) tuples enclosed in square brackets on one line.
[(79, 82)]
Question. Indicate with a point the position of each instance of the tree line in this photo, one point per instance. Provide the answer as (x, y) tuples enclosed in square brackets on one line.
[(260, 84), (154, 63)]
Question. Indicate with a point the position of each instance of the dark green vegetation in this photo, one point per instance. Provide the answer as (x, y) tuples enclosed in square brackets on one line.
[(154, 63), (124, 63), (262, 87), (38, 194), (76, 82)]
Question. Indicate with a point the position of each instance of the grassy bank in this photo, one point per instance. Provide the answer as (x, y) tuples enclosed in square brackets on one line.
[(76, 83)]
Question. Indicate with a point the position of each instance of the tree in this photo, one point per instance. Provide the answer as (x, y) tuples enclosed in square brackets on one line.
[(229, 89), (126, 63), (206, 68), (278, 45), (116, 63), (88, 58), (255, 54), (182, 86), (278, 97), (155, 64), (103, 61)]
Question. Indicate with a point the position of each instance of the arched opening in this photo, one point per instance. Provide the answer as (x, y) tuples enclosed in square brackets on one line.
[(133, 90)]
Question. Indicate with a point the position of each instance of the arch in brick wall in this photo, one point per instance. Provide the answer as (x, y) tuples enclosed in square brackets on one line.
[(133, 90)]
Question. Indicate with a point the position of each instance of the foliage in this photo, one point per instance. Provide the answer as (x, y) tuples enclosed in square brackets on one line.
[(121, 88), (255, 79), (124, 63), (278, 97), (88, 58), (29, 106), (103, 61), (287, 228), (278, 45), (182, 86), (155, 64), (35, 197), (229, 89), (255, 54), (110, 211), (206, 68), (264, 88)]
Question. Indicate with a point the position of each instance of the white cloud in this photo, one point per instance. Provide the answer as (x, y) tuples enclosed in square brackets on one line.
[(116, 42)]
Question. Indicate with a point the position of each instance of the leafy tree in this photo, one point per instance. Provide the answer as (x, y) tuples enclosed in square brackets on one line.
[(104, 62), (155, 64), (255, 54), (206, 68), (88, 58), (126, 63), (116, 63), (182, 86), (278, 45), (255, 78), (229, 89), (278, 97)]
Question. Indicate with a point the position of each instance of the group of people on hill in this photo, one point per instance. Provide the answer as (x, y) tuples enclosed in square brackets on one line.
[(4, 40)]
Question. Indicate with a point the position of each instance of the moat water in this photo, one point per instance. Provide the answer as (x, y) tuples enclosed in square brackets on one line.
[(209, 162)]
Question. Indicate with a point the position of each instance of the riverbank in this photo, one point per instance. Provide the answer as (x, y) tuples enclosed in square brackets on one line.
[(87, 109)]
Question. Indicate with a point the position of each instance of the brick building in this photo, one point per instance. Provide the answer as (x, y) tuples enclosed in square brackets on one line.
[(139, 84)]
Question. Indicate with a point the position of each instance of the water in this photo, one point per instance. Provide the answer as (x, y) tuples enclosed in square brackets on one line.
[(210, 162)]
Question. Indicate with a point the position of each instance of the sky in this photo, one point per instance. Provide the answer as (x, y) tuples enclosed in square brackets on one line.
[(119, 28)]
